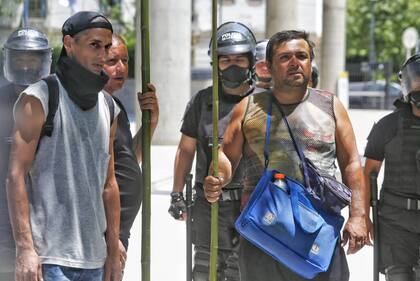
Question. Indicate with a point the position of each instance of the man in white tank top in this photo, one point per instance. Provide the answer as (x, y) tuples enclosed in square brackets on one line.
[(62, 193)]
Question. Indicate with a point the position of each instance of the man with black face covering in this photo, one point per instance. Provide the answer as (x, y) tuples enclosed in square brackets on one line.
[(62, 193), (236, 51), (27, 58), (395, 139)]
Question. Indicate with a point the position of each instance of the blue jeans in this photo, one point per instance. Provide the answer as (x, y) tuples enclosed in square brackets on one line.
[(52, 272)]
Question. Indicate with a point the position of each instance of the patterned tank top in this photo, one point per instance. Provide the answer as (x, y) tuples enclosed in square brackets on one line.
[(313, 124)]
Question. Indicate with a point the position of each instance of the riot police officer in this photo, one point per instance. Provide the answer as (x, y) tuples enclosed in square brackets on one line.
[(395, 139), (262, 75), (26, 59), (236, 54), (313, 83)]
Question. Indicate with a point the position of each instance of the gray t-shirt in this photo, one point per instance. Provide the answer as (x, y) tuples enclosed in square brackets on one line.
[(66, 182)]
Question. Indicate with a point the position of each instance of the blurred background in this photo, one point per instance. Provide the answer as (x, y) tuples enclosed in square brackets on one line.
[(360, 44)]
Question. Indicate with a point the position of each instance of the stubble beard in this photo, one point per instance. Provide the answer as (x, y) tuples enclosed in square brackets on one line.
[(293, 83)]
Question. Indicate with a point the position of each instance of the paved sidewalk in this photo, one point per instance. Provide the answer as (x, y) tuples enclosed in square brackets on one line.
[(168, 235)]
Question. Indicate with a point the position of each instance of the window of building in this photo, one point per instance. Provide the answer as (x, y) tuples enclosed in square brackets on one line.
[(37, 8)]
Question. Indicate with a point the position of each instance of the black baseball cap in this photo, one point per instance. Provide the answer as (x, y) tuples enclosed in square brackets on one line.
[(81, 21)]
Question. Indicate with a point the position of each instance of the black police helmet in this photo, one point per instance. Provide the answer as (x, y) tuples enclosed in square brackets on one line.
[(234, 38), (27, 39), (260, 50), (410, 75), (27, 56)]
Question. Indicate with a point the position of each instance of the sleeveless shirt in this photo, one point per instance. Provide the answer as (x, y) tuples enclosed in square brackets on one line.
[(313, 124), (66, 182)]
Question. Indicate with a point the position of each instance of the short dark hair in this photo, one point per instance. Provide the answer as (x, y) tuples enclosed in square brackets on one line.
[(285, 36)]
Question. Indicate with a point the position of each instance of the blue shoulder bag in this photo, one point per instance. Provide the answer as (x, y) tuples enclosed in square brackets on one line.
[(286, 223)]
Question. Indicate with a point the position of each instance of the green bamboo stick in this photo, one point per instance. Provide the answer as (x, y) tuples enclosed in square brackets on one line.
[(215, 148), (146, 139)]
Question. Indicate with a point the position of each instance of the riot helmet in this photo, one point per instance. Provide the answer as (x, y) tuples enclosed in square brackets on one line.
[(27, 56), (410, 80), (314, 75), (260, 50), (263, 75), (234, 38)]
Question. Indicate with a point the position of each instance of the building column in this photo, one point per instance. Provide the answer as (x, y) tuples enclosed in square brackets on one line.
[(170, 51), (281, 15), (333, 53)]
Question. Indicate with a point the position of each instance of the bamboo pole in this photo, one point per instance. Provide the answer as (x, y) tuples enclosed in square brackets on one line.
[(215, 148), (146, 140)]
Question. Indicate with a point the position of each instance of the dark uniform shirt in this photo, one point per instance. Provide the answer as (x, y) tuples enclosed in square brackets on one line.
[(128, 174), (382, 132), (198, 124), (7, 253), (396, 139)]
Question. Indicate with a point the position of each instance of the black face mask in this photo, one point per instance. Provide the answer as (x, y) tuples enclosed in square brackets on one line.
[(415, 98), (81, 84), (233, 76)]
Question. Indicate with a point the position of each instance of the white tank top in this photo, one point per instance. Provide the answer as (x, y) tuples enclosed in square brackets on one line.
[(66, 183)]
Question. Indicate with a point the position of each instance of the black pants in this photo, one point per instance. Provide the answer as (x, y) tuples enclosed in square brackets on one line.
[(255, 265), (228, 268), (399, 238)]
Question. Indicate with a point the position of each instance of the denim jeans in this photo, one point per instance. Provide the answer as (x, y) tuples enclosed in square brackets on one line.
[(52, 272)]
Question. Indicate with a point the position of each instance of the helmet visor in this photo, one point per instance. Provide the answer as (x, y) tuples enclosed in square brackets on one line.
[(410, 76), (26, 67), (260, 50)]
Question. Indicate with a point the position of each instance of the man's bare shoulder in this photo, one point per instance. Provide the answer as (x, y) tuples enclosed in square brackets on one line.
[(29, 116)]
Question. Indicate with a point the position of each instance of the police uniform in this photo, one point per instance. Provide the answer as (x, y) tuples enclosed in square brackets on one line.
[(396, 139), (197, 124), (19, 71)]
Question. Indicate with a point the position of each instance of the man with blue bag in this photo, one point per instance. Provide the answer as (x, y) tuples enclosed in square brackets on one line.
[(293, 133)]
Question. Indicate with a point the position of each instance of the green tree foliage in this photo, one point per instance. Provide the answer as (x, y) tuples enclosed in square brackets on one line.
[(392, 17), (8, 7)]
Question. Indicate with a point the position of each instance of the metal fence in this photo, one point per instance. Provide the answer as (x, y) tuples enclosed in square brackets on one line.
[(370, 85)]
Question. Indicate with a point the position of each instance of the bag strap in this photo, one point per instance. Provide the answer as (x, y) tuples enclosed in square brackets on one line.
[(267, 132), (295, 144), (267, 135), (53, 100)]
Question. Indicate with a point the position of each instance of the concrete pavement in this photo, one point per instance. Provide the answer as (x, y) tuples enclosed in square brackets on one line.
[(168, 235)]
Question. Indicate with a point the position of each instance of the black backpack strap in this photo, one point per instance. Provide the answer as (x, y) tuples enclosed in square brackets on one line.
[(53, 99), (110, 102)]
